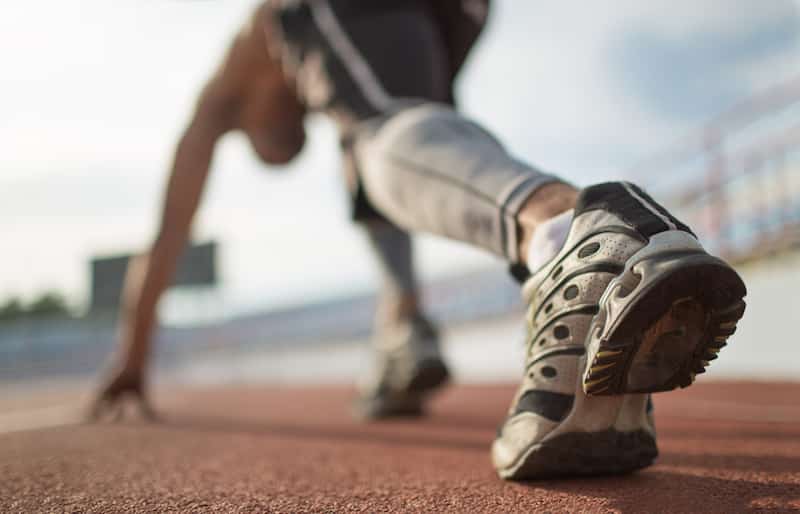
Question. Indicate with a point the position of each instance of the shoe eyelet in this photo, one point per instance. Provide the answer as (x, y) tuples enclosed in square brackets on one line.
[(561, 332), (571, 292), (548, 308), (588, 250), (548, 371), (542, 341)]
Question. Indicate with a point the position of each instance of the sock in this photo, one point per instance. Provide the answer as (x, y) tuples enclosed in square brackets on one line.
[(548, 238)]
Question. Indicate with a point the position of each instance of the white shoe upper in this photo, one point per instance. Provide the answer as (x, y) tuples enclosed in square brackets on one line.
[(563, 299)]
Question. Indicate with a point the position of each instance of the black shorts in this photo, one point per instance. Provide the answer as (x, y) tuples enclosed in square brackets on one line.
[(356, 59)]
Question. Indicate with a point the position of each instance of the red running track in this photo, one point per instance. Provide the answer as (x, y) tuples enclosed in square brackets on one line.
[(725, 447)]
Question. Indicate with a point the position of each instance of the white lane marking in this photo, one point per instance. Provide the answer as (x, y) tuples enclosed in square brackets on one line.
[(44, 417)]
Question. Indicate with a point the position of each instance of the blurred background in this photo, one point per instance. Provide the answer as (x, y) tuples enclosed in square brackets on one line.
[(699, 102)]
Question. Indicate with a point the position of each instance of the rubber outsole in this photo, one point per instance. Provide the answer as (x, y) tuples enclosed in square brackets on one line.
[(428, 376), (608, 452), (669, 322)]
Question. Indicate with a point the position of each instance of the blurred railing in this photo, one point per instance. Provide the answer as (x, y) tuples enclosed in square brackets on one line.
[(36, 351), (736, 180)]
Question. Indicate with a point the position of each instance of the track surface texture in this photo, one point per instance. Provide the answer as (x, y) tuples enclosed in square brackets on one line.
[(725, 447)]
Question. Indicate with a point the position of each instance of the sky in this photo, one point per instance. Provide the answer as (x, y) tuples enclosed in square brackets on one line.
[(93, 95)]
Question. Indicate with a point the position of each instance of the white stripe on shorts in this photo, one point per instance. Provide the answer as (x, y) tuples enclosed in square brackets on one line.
[(359, 70)]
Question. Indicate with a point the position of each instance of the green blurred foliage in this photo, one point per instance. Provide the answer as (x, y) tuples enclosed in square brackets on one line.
[(49, 304), (11, 309)]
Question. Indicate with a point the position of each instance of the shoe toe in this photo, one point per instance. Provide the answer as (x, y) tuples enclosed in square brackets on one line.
[(516, 436)]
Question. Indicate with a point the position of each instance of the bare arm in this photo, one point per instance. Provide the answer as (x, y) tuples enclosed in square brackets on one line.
[(149, 275), (248, 92)]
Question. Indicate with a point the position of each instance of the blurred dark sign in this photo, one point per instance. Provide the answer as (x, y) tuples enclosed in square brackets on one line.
[(197, 267)]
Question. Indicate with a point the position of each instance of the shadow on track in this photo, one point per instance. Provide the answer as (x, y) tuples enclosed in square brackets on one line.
[(656, 491)]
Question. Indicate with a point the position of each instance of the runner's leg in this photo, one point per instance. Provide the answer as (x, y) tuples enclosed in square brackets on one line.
[(429, 168)]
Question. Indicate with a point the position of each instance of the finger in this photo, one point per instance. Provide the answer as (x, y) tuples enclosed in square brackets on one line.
[(117, 410), (146, 409), (98, 407)]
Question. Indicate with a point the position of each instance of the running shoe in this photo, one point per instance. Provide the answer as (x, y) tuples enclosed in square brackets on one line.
[(409, 367), (631, 305)]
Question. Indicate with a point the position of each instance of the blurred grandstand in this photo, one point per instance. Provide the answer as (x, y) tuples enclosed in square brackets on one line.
[(735, 181)]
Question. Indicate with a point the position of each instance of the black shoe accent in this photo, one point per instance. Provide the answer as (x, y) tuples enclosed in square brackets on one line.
[(550, 405), (678, 223), (614, 198)]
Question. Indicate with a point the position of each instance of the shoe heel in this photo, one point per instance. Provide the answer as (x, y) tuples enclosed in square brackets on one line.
[(662, 321)]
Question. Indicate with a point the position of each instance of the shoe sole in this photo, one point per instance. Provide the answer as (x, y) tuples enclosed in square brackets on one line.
[(663, 319), (608, 452), (430, 374)]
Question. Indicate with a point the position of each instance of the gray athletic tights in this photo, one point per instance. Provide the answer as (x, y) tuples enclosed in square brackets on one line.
[(428, 168)]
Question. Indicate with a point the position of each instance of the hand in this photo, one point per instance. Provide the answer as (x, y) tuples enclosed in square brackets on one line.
[(119, 385)]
